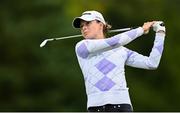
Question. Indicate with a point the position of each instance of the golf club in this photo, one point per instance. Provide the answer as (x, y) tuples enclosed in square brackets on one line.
[(74, 36)]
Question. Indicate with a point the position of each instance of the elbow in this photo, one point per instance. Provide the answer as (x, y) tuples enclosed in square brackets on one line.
[(153, 66)]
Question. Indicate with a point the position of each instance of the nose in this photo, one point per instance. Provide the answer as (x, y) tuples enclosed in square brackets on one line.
[(83, 29)]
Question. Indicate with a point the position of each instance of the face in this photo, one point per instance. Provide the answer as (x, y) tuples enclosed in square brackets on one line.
[(92, 29)]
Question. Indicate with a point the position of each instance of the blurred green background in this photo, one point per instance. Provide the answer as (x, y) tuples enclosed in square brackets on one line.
[(49, 78)]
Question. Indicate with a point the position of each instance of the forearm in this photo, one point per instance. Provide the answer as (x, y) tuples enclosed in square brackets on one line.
[(125, 38), (157, 50), (137, 60), (92, 46)]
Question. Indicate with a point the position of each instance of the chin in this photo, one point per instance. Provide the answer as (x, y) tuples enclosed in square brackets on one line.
[(89, 38)]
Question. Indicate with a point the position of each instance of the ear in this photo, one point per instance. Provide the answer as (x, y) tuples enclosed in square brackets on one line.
[(101, 25)]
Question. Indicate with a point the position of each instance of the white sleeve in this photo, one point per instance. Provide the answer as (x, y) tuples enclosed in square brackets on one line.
[(152, 61), (86, 47)]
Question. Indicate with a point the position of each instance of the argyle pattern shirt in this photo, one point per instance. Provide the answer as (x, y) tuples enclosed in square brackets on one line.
[(103, 61)]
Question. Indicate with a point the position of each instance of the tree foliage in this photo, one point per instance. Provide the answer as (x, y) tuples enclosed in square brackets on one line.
[(49, 78)]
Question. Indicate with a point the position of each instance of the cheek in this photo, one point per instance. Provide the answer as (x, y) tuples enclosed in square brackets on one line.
[(95, 29), (101, 28), (81, 31), (98, 28)]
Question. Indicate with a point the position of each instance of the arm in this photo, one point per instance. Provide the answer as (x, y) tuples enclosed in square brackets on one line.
[(137, 60), (85, 47)]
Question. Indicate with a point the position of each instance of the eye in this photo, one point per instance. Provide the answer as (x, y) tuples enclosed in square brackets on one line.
[(81, 26), (87, 23), (82, 23)]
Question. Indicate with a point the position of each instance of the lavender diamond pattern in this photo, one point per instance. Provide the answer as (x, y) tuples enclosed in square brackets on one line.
[(105, 84), (105, 66), (160, 48), (83, 51), (132, 33), (112, 41), (130, 53)]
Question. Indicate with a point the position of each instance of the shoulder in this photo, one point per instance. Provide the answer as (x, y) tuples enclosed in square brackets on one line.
[(127, 52), (79, 44), (81, 49)]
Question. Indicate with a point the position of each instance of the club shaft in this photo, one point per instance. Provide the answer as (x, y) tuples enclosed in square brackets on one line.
[(66, 37), (110, 31), (120, 30), (74, 36)]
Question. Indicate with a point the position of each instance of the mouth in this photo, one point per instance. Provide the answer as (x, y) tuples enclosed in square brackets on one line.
[(85, 34)]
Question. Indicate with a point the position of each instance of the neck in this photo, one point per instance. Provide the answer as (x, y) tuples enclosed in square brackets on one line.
[(100, 36)]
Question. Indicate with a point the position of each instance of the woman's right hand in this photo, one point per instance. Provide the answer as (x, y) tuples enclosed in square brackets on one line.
[(147, 25)]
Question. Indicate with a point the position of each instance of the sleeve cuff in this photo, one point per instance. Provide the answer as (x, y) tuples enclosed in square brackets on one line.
[(160, 37), (140, 31), (160, 34)]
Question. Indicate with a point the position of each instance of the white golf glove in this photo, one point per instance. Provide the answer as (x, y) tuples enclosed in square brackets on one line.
[(159, 26)]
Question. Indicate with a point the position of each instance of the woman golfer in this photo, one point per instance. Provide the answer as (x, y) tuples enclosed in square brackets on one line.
[(102, 61)]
